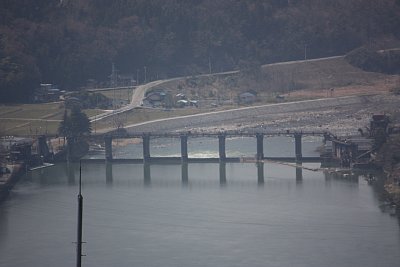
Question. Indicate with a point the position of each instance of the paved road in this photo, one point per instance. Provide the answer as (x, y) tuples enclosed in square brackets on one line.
[(136, 101)]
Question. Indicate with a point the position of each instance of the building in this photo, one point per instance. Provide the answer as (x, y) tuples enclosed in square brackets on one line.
[(247, 98), (47, 92)]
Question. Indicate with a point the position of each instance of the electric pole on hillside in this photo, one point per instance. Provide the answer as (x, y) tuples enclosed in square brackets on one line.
[(114, 76), (209, 64), (305, 51), (114, 82)]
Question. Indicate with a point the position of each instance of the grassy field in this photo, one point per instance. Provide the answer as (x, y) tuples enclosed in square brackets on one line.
[(125, 94), (28, 119), (141, 115), (33, 119)]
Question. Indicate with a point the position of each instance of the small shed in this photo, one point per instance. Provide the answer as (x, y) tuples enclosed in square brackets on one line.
[(247, 98)]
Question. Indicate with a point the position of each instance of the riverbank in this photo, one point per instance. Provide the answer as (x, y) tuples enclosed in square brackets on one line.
[(9, 179), (389, 157), (341, 116)]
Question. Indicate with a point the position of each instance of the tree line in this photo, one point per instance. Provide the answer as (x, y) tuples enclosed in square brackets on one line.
[(67, 42)]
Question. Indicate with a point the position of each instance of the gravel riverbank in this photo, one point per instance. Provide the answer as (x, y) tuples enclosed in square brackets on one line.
[(341, 116)]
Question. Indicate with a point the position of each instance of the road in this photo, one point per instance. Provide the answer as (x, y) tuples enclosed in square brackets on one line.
[(136, 101)]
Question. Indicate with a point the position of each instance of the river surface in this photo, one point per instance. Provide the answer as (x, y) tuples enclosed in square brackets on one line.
[(200, 214)]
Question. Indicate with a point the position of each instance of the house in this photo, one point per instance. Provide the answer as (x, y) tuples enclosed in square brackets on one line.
[(185, 103), (379, 125), (155, 96), (47, 92), (194, 103), (126, 80), (180, 96), (182, 103), (247, 98)]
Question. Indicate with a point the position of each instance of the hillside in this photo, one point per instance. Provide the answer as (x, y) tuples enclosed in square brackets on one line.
[(294, 80), (70, 42)]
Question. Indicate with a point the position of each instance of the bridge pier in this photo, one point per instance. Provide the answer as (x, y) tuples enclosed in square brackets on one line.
[(260, 146), (297, 147), (221, 142), (146, 147), (108, 147), (184, 147)]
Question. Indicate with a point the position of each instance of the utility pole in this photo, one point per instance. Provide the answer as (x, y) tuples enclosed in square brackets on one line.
[(305, 51), (209, 63), (114, 81), (137, 76), (80, 213), (95, 115), (114, 76)]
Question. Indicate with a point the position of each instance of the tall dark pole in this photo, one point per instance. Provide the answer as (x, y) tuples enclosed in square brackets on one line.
[(80, 211)]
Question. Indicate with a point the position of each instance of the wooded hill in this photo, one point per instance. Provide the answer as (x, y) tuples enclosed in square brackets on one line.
[(67, 42)]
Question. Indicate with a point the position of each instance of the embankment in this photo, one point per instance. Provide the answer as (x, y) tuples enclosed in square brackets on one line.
[(8, 180), (249, 115)]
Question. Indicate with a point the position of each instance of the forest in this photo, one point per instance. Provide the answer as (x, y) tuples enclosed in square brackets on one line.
[(68, 42)]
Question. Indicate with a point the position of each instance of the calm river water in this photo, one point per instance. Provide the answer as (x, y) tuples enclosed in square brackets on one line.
[(234, 214)]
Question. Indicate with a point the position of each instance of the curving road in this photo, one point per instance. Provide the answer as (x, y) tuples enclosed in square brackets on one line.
[(137, 98)]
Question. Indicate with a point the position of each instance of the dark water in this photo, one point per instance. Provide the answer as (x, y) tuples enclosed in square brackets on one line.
[(197, 215)]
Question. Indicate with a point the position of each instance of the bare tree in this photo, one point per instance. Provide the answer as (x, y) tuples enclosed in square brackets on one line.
[(2, 149)]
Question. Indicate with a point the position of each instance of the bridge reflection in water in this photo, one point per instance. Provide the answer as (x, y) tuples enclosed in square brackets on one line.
[(185, 173), (259, 175)]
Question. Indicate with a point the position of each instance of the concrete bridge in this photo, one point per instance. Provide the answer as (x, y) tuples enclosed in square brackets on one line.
[(184, 136)]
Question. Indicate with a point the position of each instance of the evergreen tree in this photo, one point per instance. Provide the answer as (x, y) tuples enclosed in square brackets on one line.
[(75, 125)]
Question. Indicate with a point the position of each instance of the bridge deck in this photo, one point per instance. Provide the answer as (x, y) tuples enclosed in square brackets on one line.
[(232, 133), (178, 160)]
